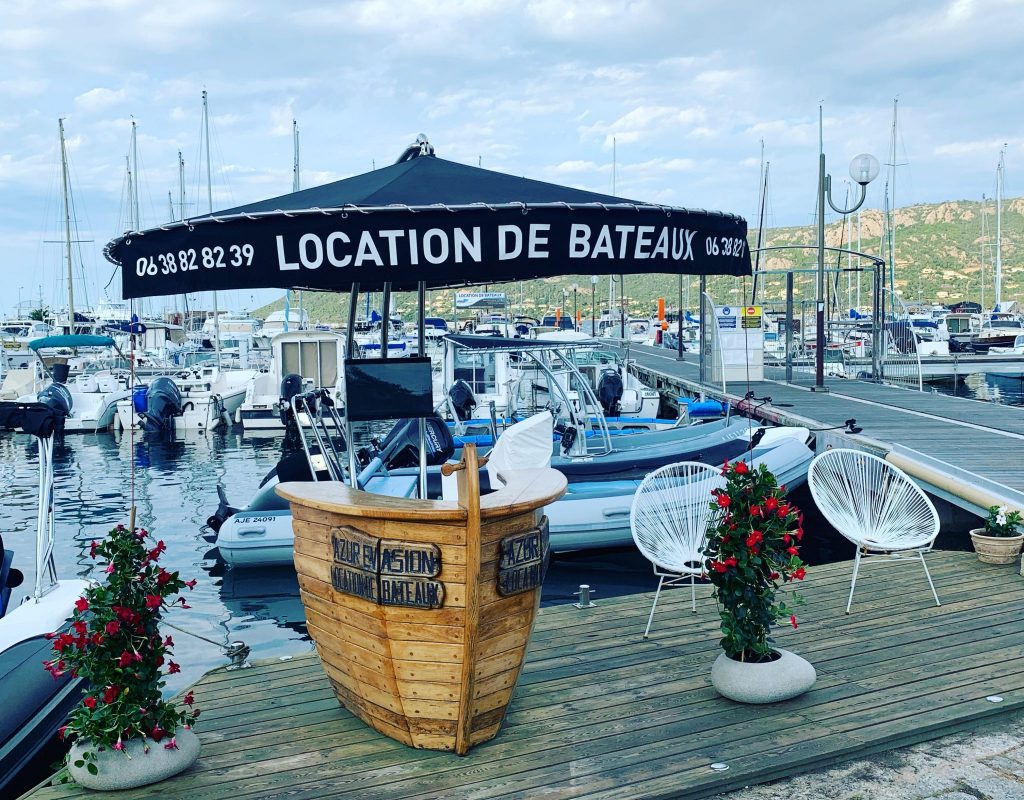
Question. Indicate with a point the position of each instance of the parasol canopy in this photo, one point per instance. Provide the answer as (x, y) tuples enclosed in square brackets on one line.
[(426, 219)]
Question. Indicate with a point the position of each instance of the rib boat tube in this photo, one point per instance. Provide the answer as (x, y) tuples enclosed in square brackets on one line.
[(410, 602), (34, 704)]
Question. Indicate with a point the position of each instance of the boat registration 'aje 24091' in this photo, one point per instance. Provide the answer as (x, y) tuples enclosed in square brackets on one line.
[(421, 610)]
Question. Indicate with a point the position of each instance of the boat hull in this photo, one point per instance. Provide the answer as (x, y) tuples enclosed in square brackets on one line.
[(422, 621)]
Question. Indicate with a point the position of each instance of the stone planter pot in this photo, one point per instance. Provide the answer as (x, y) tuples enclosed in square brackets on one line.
[(771, 682), (996, 549), (134, 766)]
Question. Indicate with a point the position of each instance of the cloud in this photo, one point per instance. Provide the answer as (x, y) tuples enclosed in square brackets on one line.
[(644, 122), (100, 99)]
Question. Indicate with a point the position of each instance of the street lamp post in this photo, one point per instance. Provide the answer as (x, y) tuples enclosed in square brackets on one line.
[(575, 307), (863, 169)]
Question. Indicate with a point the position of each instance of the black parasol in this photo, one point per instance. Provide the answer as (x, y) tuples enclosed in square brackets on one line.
[(425, 219)]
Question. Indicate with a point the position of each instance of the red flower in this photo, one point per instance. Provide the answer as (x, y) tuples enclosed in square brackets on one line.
[(191, 584), (110, 694), (799, 573), (731, 561), (740, 468), (81, 604), (183, 603), (774, 575), (799, 534), (157, 733), (755, 538), (723, 500), (771, 504), (92, 549), (168, 642), (89, 702), (189, 699), (755, 511), (79, 626), (97, 638), (61, 731), (718, 567), (153, 601), (786, 538), (792, 620), (127, 657), (792, 550), (163, 577), (172, 668), (783, 510), (112, 627)]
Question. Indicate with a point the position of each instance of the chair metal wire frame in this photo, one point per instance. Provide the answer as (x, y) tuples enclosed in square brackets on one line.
[(669, 520), (876, 506)]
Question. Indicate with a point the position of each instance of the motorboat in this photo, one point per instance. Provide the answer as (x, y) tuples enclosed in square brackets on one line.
[(209, 397), (565, 371), (600, 490), (93, 394), (999, 330), (35, 704), (314, 355)]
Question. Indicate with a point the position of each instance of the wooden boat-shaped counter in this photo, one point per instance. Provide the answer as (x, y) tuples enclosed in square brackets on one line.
[(421, 610)]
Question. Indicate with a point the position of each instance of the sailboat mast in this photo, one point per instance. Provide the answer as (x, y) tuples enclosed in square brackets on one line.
[(984, 245), (892, 207), (999, 227), (67, 225), (135, 182), (209, 201)]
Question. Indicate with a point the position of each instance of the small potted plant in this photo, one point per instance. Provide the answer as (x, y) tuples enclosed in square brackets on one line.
[(752, 550), (125, 733), (999, 542)]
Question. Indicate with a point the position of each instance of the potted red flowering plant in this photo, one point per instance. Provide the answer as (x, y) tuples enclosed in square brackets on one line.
[(752, 550), (125, 733)]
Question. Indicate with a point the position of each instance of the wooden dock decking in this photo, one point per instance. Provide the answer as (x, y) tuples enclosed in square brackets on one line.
[(981, 438), (601, 714)]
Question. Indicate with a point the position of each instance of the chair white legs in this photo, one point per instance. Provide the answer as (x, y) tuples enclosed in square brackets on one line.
[(853, 583), (895, 557), (672, 580), (928, 575), (657, 594)]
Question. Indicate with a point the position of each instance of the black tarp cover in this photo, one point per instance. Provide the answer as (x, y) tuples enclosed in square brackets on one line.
[(426, 219)]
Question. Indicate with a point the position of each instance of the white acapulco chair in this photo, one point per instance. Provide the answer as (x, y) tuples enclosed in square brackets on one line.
[(669, 519), (876, 506)]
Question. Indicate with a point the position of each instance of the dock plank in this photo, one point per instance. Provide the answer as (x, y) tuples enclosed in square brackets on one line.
[(600, 713)]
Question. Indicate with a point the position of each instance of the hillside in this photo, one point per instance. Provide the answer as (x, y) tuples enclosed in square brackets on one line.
[(938, 259)]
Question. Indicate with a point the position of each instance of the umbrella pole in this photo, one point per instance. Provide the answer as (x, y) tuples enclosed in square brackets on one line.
[(385, 323), (350, 349), (421, 349)]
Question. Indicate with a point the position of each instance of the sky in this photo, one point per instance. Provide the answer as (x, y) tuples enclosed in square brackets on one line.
[(663, 101)]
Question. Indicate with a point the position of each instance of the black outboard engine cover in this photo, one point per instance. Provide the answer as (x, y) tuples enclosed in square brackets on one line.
[(609, 391), (291, 385), (163, 404), (438, 439), (60, 373), (463, 400), (57, 397)]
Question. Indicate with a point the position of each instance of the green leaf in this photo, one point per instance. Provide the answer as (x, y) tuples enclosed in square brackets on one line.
[(79, 763), (92, 769)]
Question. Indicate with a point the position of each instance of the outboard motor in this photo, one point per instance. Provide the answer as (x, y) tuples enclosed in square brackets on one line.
[(57, 397), (463, 400), (401, 447), (163, 404), (291, 385), (609, 391)]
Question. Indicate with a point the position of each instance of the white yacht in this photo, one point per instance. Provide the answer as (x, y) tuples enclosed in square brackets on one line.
[(314, 355)]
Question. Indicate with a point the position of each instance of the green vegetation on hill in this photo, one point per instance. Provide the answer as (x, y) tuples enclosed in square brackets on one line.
[(939, 250)]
